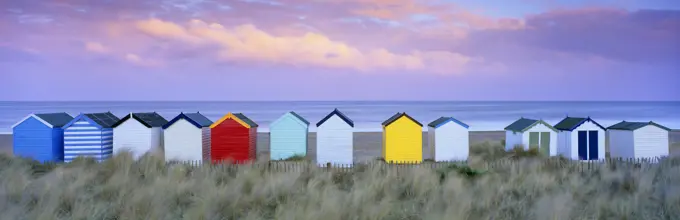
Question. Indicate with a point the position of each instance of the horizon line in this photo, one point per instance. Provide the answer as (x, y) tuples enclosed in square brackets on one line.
[(383, 100)]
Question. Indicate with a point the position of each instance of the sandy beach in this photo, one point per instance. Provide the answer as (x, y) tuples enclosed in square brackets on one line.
[(367, 145)]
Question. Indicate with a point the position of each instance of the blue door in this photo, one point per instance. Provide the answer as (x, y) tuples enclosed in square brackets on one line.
[(582, 145), (592, 145)]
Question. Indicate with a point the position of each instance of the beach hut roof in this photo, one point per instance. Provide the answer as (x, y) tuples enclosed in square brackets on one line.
[(56, 119), (524, 124), (299, 117), (397, 116), (105, 120), (631, 126), (245, 119), (148, 119), (443, 120), (196, 119), (571, 123), (199, 118), (53, 120), (339, 114)]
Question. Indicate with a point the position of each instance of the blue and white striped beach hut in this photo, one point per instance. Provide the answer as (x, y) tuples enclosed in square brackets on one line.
[(89, 135)]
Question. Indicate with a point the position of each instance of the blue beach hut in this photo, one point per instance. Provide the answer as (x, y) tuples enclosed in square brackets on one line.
[(288, 136), (89, 135), (40, 136)]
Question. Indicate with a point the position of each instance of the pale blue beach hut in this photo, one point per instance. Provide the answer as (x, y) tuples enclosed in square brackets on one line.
[(89, 135), (288, 136), (40, 136)]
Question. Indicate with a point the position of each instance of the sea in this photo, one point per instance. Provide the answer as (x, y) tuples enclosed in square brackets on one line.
[(368, 115)]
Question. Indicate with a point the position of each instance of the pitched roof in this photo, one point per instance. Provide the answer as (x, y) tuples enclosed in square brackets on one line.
[(55, 119), (105, 120), (571, 123), (148, 119), (397, 116), (245, 119), (443, 120), (523, 124), (631, 126), (199, 118), (196, 119), (339, 114), (299, 117)]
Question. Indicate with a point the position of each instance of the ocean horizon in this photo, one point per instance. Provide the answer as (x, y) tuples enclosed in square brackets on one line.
[(368, 115)]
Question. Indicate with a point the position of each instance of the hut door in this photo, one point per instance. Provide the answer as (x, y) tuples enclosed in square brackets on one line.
[(582, 145), (545, 143), (592, 145), (533, 140)]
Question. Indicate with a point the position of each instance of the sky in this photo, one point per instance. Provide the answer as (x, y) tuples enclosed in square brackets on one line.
[(254, 50)]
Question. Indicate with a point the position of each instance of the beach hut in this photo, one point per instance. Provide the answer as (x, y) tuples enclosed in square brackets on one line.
[(89, 135), (580, 139), (233, 137), (448, 139), (402, 139), (288, 136), (139, 133), (187, 138), (335, 139), (638, 140), (532, 133), (40, 136)]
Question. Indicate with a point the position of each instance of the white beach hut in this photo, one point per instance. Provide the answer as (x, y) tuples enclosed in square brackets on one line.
[(141, 135), (187, 138), (632, 140), (335, 139), (448, 139), (531, 133), (580, 139)]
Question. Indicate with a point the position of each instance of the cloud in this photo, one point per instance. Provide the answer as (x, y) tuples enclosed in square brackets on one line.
[(96, 47), (367, 35), (137, 60), (647, 36), (248, 43), (9, 55)]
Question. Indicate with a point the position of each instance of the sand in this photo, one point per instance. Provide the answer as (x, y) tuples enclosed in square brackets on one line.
[(367, 145)]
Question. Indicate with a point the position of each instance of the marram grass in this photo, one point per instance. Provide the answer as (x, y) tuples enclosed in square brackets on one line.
[(524, 189)]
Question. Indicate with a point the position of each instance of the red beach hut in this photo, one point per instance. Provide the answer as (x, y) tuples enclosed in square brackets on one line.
[(233, 137)]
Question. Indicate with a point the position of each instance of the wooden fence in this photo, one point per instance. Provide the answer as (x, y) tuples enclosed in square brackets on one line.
[(553, 163)]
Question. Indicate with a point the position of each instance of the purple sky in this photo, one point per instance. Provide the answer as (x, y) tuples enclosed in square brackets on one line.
[(340, 50)]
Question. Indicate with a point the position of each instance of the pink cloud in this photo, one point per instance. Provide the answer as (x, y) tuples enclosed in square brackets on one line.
[(344, 34), (137, 60), (248, 43), (96, 47)]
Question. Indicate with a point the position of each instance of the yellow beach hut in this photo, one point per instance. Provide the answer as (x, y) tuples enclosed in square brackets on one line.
[(402, 139)]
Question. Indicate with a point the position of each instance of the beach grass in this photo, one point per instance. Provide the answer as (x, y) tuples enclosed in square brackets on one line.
[(149, 188)]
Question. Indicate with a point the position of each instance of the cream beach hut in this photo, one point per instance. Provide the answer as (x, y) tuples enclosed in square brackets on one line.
[(335, 139), (448, 139), (187, 138), (139, 133), (531, 133), (638, 140), (580, 139)]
